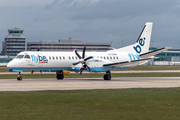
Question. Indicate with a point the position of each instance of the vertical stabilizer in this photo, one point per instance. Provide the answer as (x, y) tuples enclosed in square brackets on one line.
[(144, 39), (143, 42)]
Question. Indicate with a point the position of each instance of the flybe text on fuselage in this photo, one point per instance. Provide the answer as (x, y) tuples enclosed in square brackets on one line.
[(40, 59), (141, 44), (133, 56)]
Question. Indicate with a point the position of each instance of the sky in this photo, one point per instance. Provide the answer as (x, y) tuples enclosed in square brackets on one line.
[(116, 21)]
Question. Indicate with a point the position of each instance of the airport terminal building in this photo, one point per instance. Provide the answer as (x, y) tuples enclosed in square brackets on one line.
[(169, 57), (68, 45)]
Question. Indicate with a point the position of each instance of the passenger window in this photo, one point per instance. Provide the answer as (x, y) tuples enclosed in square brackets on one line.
[(110, 57), (49, 57), (117, 58), (27, 57), (107, 57), (72, 57), (60, 57), (76, 58), (53, 57), (69, 58), (63, 57), (113, 57), (56, 57), (101, 57), (104, 57)]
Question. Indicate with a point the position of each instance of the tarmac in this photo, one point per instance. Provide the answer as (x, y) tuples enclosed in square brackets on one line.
[(129, 71), (88, 83)]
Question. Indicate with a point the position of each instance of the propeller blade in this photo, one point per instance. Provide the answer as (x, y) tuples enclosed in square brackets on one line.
[(81, 71), (75, 63), (77, 54), (83, 54), (90, 57), (88, 68)]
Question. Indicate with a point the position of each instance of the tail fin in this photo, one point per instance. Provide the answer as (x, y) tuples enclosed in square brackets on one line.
[(142, 44)]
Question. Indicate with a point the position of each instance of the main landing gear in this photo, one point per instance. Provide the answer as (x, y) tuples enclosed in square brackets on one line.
[(107, 76), (19, 76), (60, 75)]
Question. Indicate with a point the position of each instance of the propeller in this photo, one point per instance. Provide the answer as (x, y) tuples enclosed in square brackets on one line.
[(83, 60)]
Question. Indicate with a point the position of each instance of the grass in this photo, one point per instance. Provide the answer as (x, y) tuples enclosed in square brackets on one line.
[(90, 75), (3, 69), (125, 104)]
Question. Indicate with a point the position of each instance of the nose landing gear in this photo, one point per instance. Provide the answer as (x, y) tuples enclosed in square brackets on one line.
[(107, 76), (19, 76)]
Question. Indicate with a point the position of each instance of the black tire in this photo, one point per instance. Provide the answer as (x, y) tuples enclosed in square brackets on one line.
[(19, 78), (108, 77), (60, 76), (105, 77)]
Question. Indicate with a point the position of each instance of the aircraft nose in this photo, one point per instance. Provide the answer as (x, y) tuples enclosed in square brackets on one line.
[(10, 64)]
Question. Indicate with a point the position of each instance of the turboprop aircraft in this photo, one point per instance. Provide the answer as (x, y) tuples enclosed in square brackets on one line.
[(121, 58)]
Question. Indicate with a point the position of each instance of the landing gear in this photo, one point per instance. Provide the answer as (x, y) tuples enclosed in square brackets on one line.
[(60, 75), (19, 76), (107, 76)]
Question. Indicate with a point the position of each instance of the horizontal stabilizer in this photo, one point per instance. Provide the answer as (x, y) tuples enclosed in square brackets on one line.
[(152, 53), (126, 63)]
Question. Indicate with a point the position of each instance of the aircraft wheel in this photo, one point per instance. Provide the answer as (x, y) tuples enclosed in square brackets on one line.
[(19, 78), (107, 77), (60, 76)]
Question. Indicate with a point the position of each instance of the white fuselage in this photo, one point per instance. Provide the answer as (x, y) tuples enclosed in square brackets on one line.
[(55, 61)]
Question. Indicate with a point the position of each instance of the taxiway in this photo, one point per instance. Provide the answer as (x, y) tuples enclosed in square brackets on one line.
[(88, 83)]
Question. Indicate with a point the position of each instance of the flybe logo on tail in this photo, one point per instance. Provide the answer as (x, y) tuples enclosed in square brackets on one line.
[(141, 44), (40, 59)]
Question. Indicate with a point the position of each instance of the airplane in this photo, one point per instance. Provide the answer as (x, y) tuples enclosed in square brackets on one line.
[(122, 58)]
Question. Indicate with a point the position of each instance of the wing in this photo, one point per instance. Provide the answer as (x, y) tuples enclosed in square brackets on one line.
[(126, 63), (152, 53)]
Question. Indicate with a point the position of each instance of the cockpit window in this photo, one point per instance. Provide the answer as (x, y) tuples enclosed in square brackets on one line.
[(20, 56), (27, 56)]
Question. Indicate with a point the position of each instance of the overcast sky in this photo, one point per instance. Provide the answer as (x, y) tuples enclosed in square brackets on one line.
[(93, 20)]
